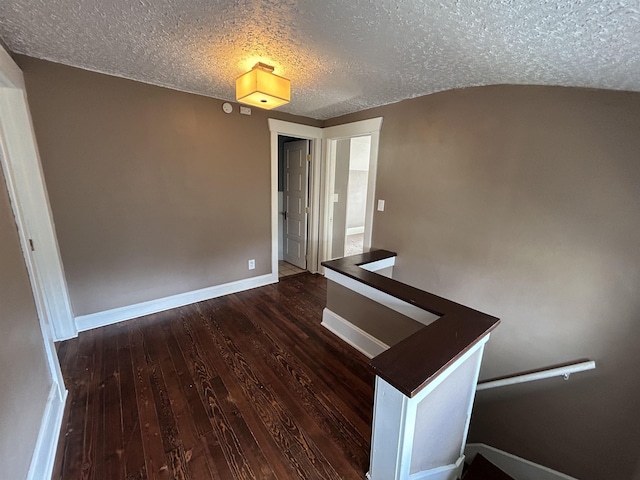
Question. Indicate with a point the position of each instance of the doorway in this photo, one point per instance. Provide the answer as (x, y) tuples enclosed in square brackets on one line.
[(349, 189), (349, 175), (322, 143), (294, 158)]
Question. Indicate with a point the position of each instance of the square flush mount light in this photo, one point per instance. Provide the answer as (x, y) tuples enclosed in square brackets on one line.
[(261, 88)]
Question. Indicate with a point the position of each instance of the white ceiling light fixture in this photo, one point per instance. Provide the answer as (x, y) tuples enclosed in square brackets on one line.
[(262, 88)]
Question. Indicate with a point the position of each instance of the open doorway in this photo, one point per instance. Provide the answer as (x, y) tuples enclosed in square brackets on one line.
[(322, 143), (349, 191), (294, 158), (349, 176)]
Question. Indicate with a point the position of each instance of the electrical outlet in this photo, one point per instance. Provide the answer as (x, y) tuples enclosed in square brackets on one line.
[(252, 264), (245, 111)]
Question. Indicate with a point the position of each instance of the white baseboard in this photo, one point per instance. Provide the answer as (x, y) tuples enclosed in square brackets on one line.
[(517, 467), (44, 454), (354, 336), (109, 317), (355, 230), (446, 472)]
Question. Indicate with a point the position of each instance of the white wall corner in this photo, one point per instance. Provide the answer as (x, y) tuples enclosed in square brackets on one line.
[(47, 443)]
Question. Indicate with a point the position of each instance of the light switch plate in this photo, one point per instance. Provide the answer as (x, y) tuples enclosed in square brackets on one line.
[(381, 205)]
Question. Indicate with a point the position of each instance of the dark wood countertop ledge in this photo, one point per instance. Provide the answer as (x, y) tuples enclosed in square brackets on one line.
[(413, 363)]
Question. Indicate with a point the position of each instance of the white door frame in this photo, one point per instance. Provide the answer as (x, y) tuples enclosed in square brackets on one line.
[(304, 132), (331, 135), (30, 203)]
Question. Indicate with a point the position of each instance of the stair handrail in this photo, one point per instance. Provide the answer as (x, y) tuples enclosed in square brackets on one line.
[(531, 376)]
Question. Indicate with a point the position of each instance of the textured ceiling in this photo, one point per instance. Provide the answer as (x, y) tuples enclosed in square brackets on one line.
[(341, 55)]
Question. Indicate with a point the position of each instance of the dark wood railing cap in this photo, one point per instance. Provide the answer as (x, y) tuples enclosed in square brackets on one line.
[(413, 363)]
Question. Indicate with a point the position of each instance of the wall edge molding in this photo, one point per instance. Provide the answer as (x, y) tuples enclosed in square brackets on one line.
[(44, 454), (129, 312), (362, 341)]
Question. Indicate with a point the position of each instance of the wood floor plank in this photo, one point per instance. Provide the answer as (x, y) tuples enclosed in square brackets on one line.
[(258, 430), (306, 376), (92, 434), (356, 395), (155, 461), (267, 419), (247, 386), (113, 467), (252, 450), (219, 467), (132, 447), (197, 411), (187, 436), (335, 431), (174, 450), (287, 428), (227, 438)]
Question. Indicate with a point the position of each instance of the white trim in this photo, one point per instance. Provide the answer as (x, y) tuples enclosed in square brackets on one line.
[(355, 230), (446, 472), (371, 127), (328, 187), (356, 337), (531, 377), (371, 187), (280, 127), (379, 264), (25, 184), (27, 190), (10, 74), (400, 306), (44, 453), (513, 465), (297, 130), (109, 317), (353, 129)]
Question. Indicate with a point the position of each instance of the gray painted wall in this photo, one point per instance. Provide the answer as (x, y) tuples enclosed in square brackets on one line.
[(524, 202), (154, 192), (24, 376)]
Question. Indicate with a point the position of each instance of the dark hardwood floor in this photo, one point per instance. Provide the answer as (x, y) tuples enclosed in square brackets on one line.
[(240, 387)]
